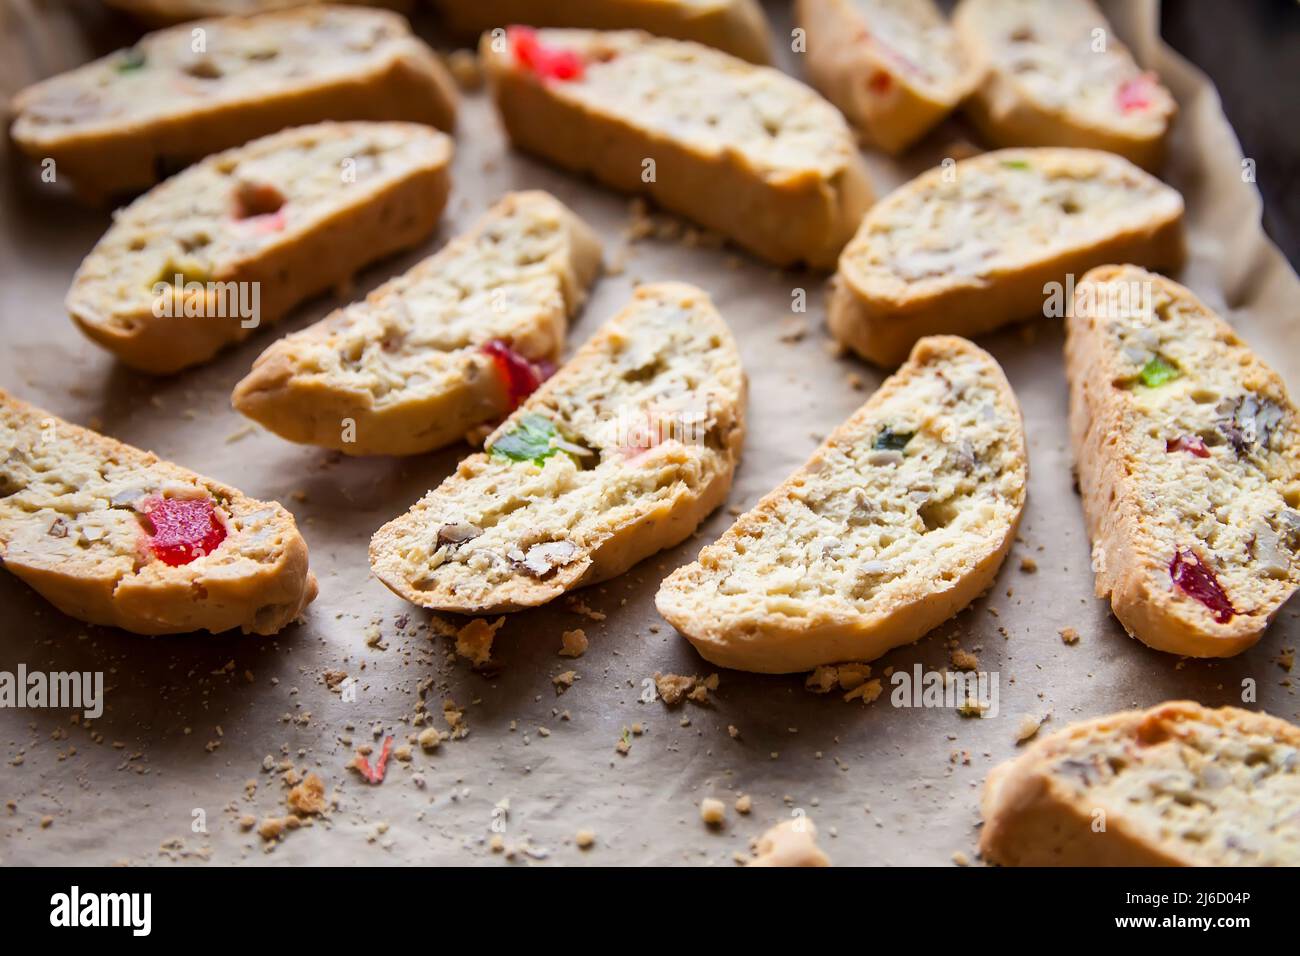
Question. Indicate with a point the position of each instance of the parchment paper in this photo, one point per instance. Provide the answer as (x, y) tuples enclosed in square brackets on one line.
[(189, 720)]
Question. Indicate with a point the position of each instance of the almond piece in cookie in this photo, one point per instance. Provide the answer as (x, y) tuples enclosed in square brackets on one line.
[(738, 27), (112, 535), (893, 67), (235, 242), (1187, 448), (122, 122), (898, 521), (743, 150), (1055, 74), (969, 247), (1177, 785), (458, 341), (621, 454)]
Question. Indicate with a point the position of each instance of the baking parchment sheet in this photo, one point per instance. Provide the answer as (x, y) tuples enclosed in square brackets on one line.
[(189, 720)]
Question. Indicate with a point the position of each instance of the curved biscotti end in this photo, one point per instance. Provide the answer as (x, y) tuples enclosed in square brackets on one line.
[(753, 155), (111, 535), (234, 242), (454, 343), (161, 13), (899, 520), (1187, 448), (738, 27), (622, 453), (118, 124), (966, 249), (1096, 792), (899, 85), (1099, 100)]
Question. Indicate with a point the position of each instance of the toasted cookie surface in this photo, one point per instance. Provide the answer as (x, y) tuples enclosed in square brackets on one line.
[(1187, 448), (897, 522), (234, 242), (1177, 785), (619, 455), (968, 247), (1055, 74), (456, 342), (738, 27), (112, 535), (162, 12), (741, 149), (893, 67), (120, 123)]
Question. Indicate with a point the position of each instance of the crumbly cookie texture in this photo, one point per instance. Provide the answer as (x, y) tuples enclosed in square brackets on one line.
[(791, 843), (899, 520), (967, 248), (121, 122), (454, 343), (744, 150), (1187, 448), (619, 455), (1177, 785), (112, 535), (236, 241), (738, 27), (163, 12), (893, 67), (1057, 75)]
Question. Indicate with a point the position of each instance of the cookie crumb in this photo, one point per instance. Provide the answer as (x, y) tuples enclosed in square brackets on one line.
[(1069, 635), (585, 839), (713, 811), (573, 643)]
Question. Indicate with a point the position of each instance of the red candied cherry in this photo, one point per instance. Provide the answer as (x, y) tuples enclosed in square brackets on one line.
[(1188, 443), (880, 82), (1194, 578), (182, 529), (259, 204), (521, 377), (550, 63), (1135, 94)]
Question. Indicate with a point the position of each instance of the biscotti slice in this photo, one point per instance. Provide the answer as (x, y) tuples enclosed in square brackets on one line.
[(1187, 448), (1055, 74), (619, 455), (967, 248), (744, 150), (236, 241), (124, 121), (1176, 785), (112, 535), (166, 12), (893, 67), (457, 342), (897, 522), (738, 27)]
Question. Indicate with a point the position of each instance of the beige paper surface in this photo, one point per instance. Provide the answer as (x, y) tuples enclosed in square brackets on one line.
[(190, 720)]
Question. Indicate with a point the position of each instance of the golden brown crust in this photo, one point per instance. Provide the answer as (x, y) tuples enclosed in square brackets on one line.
[(1067, 800), (68, 529), (105, 158)]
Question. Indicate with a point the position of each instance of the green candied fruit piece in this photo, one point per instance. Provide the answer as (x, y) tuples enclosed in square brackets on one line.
[(533, 439), (132, 59), (1158, 371), (890, 440), (1015, 163)]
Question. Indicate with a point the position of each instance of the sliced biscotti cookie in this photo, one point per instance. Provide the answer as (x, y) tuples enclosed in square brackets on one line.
[(164, 12), (112, 535), (738, 27), (897, 522), (619, 455), (969, 247), (744, 150), (1055, 74), (456, 342), (893, 67), (122, 122), (236, 241), (1177, 785), (1187, 449)]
